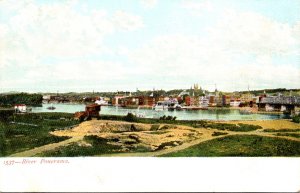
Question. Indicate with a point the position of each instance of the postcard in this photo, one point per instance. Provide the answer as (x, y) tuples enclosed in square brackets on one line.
[(149, 95)]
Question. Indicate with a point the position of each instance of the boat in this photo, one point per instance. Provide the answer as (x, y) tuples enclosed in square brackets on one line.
[(102, 102), (51, 107), (137, 113), (167, 105)]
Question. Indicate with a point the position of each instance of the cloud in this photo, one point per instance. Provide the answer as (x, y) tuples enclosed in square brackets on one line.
[(126, 21), (148, 3), (60, 30), (197, 7), (237, 51), (32, 33), (250, 32)]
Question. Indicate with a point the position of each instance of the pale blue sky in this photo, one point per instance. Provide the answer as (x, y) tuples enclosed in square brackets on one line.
[(114, 45)]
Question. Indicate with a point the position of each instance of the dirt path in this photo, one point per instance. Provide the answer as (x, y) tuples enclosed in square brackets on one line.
[(37, 150), (161, 152), (195, 142)]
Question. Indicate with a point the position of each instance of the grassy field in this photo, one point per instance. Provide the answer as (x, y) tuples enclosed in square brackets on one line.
[(241, 145), (23, 132), (92, 145), (296, 135), (26, 131), (281, 130)]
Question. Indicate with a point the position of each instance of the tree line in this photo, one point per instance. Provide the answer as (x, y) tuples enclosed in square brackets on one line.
[(20, 98)]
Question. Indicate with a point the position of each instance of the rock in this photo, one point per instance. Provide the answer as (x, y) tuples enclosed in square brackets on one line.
[(167, 147), (175, 143), (133, 136), (170, 135)]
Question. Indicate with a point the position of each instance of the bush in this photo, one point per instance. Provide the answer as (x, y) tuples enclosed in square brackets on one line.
[(154, 127), (165, 127), (169, 143), (162, 118), (216, 133), (130, 118), (6, 114), (233, 127), (281, 130), (132, 127), (168, 118), (296, 118), (296, 135)]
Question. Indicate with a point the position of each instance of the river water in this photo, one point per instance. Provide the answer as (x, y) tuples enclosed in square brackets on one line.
[(211, 114)]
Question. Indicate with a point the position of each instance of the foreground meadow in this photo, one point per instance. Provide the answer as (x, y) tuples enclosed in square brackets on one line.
[(58, 135)]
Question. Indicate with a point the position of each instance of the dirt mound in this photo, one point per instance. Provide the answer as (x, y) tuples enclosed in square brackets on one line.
[(135, 136)]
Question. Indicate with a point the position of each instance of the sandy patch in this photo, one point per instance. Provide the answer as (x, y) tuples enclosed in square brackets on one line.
[(270, 124)]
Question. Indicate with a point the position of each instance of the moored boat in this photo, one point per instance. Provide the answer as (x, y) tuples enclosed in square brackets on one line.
[(51, 107)]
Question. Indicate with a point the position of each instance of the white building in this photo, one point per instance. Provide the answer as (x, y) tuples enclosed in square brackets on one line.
[(269, 107), (204, 102), (101, 101), (46, 97), (235, 103), (20, 108)]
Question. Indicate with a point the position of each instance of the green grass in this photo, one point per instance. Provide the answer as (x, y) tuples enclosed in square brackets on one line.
[(154, 127), (130, 118), (216, 133), (98, 146), (241, 145), (232, 127), (296, 135), (16, 138), (281, 130), (192, 123)]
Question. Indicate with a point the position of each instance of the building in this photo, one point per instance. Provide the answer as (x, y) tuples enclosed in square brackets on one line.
[(204, 102), (235, 103), (146, 101), (247, 98), (20, 108), (93, 110), (226, 100), (129, 101), (187, 100), (46, 97), (116, 100), (212, 102)]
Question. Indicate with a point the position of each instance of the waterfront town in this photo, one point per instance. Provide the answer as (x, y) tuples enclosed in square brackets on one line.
[(181, 122), (194, 98)]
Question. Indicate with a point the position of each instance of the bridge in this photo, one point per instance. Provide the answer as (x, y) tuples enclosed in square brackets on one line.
[(280, 103)]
